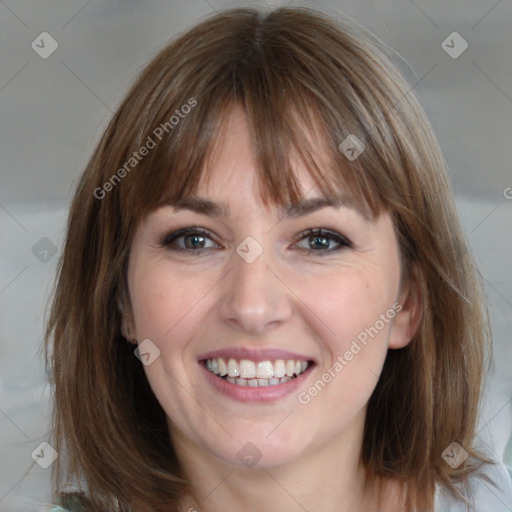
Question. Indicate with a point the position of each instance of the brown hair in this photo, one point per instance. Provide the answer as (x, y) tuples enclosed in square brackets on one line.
[(292, 70)]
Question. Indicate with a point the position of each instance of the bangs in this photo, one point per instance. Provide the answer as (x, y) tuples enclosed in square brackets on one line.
[(282, 136)]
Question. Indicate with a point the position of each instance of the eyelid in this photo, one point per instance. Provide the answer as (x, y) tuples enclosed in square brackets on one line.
[(169, 237), (342, 241)]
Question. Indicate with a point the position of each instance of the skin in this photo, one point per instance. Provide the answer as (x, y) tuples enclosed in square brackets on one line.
[(289, 298)]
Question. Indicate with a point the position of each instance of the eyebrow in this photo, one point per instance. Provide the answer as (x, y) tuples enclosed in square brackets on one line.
[(294, 210)]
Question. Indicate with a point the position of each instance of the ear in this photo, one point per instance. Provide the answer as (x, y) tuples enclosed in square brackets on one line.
[(407, 320), (127, 327)]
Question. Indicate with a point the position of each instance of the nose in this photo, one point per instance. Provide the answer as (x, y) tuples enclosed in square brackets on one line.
[(254, 297)]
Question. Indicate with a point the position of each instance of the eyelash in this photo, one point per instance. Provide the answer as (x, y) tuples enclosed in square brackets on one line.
[(168, 239)]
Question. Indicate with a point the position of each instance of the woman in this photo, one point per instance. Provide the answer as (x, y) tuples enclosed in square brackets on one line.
[(265, 300)]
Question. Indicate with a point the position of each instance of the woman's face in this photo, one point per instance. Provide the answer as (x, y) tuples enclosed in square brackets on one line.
[(254, 296)]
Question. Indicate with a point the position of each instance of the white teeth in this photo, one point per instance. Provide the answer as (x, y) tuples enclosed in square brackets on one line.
[(233, 368), (222, 367), (260, 373), (247, 369), (279, 368), (264, 370), (257, 382)]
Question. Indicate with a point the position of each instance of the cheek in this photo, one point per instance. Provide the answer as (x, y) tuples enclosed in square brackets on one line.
[(355, 343), (169, 307), (349, 301), (159, 301), (354, 313)]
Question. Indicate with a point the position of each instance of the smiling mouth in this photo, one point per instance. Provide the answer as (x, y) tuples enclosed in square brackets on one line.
[(245, 372)]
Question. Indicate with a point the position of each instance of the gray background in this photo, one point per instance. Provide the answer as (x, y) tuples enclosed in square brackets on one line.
[(53, 111)]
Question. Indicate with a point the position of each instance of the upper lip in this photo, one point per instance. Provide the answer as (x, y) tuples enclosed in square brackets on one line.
[(253, 354)]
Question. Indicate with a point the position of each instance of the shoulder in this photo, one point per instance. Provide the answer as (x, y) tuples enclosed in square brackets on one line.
[(489, 488), (68, 502)]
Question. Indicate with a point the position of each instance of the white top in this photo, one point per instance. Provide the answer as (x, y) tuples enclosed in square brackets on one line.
[(491, 491)]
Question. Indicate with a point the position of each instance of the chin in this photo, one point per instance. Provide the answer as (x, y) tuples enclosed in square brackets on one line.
[(259, 449)]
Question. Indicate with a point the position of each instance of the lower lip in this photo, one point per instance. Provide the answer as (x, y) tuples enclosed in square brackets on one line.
[(256, 393)]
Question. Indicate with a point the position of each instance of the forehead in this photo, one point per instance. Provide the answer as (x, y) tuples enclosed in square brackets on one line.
[(231, 171)]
